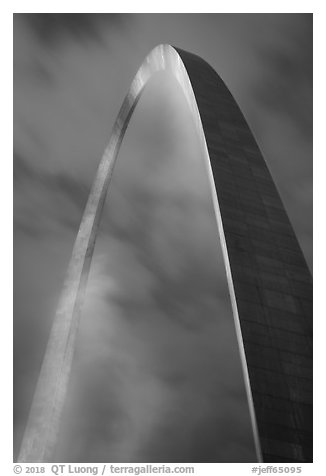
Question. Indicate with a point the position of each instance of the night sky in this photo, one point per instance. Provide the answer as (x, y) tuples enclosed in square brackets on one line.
[(156, 375)]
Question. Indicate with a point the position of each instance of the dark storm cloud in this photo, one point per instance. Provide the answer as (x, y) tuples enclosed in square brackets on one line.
[(74, 190), (69, 189), (54, 28), (286, 83), (21, 170)]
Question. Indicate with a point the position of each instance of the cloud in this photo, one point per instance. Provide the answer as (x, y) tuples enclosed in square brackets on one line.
[(286, 83), (54, 28), (40, 214)]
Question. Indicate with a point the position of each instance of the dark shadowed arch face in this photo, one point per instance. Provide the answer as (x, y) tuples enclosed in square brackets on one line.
[(157, 374)]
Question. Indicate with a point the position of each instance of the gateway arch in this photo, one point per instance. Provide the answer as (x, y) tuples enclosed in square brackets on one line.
[(269, 282)]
